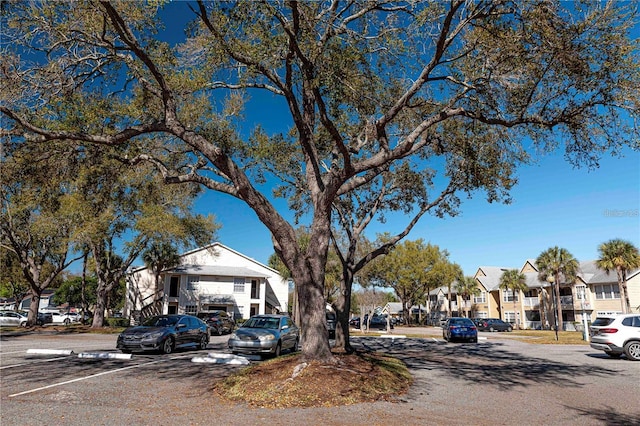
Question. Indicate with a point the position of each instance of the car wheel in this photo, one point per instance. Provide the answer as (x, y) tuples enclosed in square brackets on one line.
[(167, 346), (278, 350), (23, 324), (204, 342), (67, 321), (296, 345), (474, 340), (491, 329), (632, 350), (510, 329)]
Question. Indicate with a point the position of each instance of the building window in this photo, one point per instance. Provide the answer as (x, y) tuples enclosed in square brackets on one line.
[(510, 317), (580, 292), (174, 286), (482, 298), (255, 289), (509, 296), (607, 291), (238, 285), (192, 282), (191, 309)]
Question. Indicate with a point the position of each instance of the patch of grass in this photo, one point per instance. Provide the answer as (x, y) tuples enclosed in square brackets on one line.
[(548, 337), (289, 381)]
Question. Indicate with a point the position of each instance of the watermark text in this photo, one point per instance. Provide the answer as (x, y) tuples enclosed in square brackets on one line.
[(621, 213)]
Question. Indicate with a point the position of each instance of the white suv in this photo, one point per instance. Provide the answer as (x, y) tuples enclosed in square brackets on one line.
[(617, 335)]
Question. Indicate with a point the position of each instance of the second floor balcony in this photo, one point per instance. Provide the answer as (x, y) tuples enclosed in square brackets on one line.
[(531, 302)]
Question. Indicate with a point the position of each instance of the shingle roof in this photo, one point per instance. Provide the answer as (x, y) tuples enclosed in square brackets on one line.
[(491, 279), (591, 274), (216, 270)]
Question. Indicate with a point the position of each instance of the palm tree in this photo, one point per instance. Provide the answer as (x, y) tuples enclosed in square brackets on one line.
[(621, 256), (467, 287), (559, 264), (515, 281), (159, 257)]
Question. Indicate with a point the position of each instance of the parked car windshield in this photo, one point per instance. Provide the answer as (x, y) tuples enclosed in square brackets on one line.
[(161, 322), (257, 322)]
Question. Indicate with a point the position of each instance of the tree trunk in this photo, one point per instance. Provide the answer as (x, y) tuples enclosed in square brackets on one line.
[(343, 308), (315, 337), (307, 271), (622, 288), (558, 303), (543, 314), (101, 298), (32, 317)]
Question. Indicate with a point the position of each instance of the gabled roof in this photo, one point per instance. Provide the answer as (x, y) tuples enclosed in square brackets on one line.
[(532, 281), (443, 289), (227, 273), (393, 307), (490, 277), (591, 274), (216, 270), (217, 244)]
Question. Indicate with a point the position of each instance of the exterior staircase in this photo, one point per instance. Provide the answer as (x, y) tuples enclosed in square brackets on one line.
[(151, 305)]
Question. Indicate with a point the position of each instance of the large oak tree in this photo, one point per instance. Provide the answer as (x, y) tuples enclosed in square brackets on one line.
[(459, 91)]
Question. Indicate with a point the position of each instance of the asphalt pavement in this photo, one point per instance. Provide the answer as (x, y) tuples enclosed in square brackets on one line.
[(499, 381)]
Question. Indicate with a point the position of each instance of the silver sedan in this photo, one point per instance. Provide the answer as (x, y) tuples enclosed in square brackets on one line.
[(265, 334)]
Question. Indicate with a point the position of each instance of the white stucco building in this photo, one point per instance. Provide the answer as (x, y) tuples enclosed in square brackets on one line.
[(214, 277)]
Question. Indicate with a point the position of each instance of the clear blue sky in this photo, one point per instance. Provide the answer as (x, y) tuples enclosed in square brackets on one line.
[(553, 204)]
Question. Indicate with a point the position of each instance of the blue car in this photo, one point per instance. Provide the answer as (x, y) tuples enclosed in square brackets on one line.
[(458, 328)]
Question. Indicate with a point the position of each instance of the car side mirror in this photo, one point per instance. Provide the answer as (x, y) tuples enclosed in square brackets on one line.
[(284, 327)]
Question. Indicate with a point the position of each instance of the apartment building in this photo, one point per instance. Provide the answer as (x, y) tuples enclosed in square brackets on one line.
[(595, 293)]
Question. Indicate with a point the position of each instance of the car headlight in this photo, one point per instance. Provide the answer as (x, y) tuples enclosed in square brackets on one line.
[(267, 337), (154, 335), (233, 336)]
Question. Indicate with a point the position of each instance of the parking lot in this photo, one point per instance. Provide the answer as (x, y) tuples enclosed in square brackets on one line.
[(497, 381)]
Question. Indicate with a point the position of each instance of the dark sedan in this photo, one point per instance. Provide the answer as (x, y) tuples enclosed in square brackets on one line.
[(219, 322), (458, 328), (354, 322), (492, 324), (165, 333), (376, 322)]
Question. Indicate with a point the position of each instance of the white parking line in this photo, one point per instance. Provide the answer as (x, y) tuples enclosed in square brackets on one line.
[(32, 362), (82, 378)]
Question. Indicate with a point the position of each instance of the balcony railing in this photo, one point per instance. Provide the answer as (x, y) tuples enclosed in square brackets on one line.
[(531, 302), (566, 301)]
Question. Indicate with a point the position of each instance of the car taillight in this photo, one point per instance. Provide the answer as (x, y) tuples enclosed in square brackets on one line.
[(608, 330), (473, 328)]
